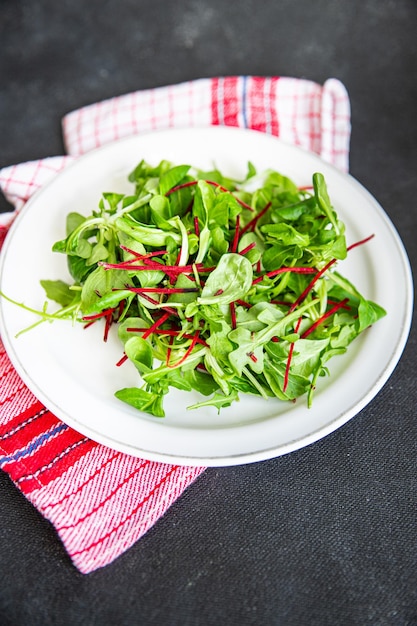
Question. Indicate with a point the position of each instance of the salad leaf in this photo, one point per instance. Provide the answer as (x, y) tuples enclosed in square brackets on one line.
[(216, 285), (230, 281), (58, 291)]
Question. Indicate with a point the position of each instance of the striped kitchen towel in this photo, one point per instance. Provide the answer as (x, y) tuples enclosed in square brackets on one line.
[(101, 501)]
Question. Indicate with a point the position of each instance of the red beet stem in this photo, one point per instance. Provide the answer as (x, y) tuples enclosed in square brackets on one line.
[(252, 224), (282, 270), (162, 290), (233, 314), (236, 235), (249, 247), (322, 318), (156, 324)]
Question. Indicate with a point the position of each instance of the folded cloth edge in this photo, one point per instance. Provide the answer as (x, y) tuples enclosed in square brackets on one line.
[(334, 127)]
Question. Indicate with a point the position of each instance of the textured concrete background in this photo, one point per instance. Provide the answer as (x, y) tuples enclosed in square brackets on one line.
[(325, 536)]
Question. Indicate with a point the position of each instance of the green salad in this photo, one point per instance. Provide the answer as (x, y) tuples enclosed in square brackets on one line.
[(216, 285)]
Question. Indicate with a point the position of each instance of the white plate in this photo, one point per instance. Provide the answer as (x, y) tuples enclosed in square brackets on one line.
[(72, 371)]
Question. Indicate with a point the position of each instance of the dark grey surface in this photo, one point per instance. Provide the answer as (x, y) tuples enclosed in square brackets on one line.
[(325, 536)]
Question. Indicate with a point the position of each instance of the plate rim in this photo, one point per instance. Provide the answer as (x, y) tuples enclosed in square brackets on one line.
[(231, 459)]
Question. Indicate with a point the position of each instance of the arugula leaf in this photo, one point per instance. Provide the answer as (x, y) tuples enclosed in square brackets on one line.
[(218, 400), (248, 352)]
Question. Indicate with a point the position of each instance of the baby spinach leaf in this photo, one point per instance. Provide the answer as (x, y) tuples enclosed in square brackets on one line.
[(230, 281)]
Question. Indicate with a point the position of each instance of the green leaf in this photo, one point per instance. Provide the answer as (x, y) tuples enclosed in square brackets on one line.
[(103, 289), (161, 211), (219, 343), (146, 401), (255, 254), (59, 291), (172, 177), (204, 199), (184, 298), (258, 316), (78, 268), (295, 211), (278, 255), (177, 379), (230, 281), (98, 253), (286, 234), (219, 374), (60, 246), (200, 381), (110, 201), (369, 313), (148, 235), (83, 248), (296, 387), (149, 278), (323, 200), (248, 351), (158, 373), (130, 322), (219, 245), (139, 352), (345, 336), (307, 354), (74, 220), (218, 401)]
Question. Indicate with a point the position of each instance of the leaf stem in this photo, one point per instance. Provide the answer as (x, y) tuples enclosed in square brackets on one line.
[(289, 359), (322, 318)]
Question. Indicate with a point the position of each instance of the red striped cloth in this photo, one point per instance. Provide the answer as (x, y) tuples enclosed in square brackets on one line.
[(101, 501)]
